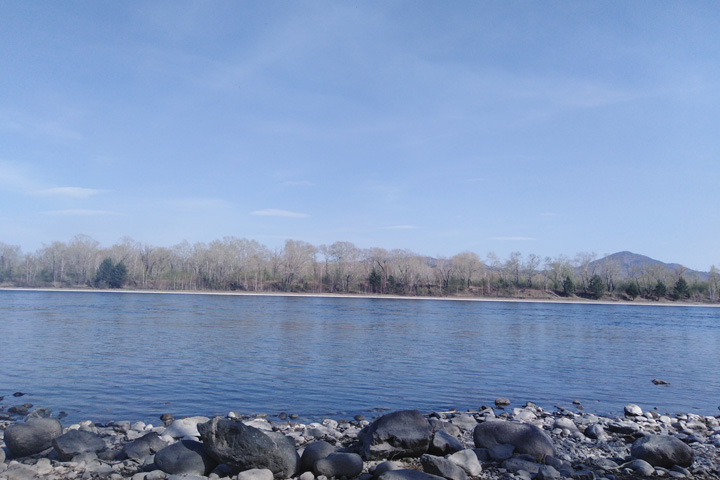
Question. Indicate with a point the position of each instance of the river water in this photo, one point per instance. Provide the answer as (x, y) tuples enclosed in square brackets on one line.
[(104, 356)]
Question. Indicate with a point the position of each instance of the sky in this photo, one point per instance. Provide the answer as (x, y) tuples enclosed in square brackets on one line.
[(439, 127)]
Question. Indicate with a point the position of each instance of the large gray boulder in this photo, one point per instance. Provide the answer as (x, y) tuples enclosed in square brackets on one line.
[(396, 435), (75, 442), (313, 452), (524, 437), (242, 447), (31, 437), (442, 467), (185, 457), (443, 443), (348, 465), (662, 451), (140, 448)]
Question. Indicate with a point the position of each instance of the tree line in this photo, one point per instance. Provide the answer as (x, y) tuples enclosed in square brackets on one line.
[(239, 264)]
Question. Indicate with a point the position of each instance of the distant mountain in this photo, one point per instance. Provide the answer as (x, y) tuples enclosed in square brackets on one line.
[(628, 264)]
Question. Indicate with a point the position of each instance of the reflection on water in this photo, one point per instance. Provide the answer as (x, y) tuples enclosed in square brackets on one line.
[(135, 356)]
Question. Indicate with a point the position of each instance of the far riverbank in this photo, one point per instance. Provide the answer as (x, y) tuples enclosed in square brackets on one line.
[(520, 299)]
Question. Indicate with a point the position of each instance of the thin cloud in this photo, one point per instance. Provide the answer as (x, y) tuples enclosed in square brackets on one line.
[(278, 213), (400, 227), (70, 192), (80, 213), (514, 239)]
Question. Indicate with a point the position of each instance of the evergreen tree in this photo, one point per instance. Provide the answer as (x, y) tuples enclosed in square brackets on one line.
[(596, 287), (119, 276), (104, 273), (681, 289), (568, 286), (660, 290), (632, 290), (375, 281)]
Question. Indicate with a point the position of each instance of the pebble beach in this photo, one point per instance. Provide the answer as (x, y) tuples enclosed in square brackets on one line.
[(493, 442)]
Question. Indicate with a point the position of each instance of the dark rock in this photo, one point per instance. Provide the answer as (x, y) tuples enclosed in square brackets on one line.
[(444, 443), (75, 442), (516, 464), (547, 472), (595, 431), (396, 435), (348, 465), (222, 471), (20, 409), (657, 381), (34, 436), (184, 457), (501, 452), (282, 416), (385, 466), (242, 447), (313, 452), (524, 437), (624, 428), (442, 467), (359, 417), (502, 402), (662, 451), (407, 474), (142, 447), (18, 394)]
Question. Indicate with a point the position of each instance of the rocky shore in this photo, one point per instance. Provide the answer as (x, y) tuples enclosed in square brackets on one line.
[(491, 443)]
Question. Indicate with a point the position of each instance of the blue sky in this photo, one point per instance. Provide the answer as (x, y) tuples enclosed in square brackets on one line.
[(540, 127)]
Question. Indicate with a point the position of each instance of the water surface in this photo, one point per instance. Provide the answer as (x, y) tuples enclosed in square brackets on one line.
[(105, 356)]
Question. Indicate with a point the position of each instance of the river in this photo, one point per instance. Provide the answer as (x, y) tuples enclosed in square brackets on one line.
[(134, 356)]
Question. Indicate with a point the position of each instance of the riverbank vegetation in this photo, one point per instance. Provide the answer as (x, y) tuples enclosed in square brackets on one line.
[(238, 264)]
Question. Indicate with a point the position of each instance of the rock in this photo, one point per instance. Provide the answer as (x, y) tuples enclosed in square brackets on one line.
[(18, 394), (359, 417), (184, 457), (464, 422), (502, 402), (641, 467), (76, 442), (140, 448), (596, 432), (662, 451), (42, 412), (524, 437), (516, 464), (657, 381), (313, 452), (306, 476), (242, 447), (185, 428), (348, 465), (386, 466), (167, 419), (632, 410), (468, 461), (442, 467), (20, 409), (501, 452), (31, 437), (444, 443), (407, 474), (547, 472), (396, 435), (2, 455), (624, 428), (256, 474)]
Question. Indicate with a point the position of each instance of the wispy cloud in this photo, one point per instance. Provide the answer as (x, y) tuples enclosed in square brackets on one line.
[(80, 213), (70, 192), (400, 227), (278, 213), (514, 239)]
